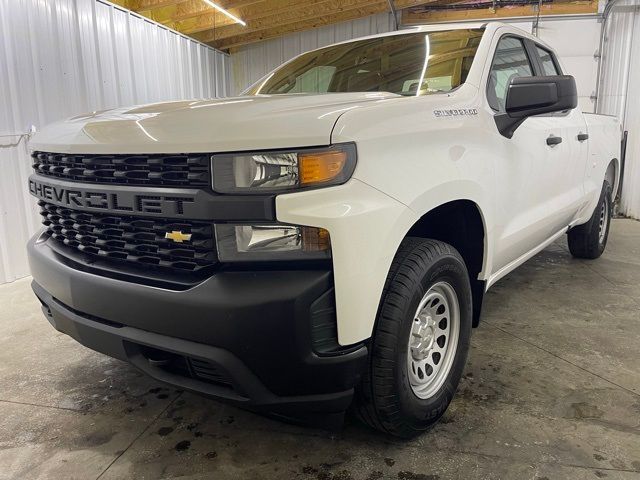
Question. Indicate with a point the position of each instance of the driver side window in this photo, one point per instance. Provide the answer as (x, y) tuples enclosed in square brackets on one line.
[(510, 61)]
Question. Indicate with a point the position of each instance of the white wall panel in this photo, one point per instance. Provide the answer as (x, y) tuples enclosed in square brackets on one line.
[(618, 92), (576, 41), (60, 58)]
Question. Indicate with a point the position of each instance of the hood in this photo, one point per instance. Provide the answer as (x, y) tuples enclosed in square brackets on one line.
[(219, 125)]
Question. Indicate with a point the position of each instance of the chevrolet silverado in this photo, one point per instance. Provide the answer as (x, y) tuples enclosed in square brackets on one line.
[(324, 240)]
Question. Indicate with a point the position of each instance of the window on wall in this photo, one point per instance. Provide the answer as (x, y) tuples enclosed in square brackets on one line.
[(509, 61), (548, 65)]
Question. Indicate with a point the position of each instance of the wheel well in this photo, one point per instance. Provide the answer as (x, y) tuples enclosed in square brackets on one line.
[(459, 224)]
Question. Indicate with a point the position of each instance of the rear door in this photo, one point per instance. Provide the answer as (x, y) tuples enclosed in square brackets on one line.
[(573, 128)]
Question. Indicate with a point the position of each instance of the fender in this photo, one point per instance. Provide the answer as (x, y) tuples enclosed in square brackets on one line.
[(364, 224)]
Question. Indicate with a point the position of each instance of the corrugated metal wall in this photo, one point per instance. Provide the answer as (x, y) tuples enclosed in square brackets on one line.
[(620, 78), (59, 58)]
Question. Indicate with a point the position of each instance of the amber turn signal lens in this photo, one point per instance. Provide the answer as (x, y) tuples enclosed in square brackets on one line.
[(315, 239), (321, 167)]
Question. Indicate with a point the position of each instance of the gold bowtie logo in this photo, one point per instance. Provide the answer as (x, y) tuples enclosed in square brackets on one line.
[(177, 237)]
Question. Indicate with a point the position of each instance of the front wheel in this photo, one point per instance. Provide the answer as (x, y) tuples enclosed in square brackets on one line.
[(590, 239), (421, 339)]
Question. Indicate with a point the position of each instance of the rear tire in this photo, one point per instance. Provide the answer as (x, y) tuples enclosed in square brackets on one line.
[(420, 341), (590, 239)]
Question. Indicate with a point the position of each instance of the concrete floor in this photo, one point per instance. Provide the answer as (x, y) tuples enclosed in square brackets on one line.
[(551, 391)]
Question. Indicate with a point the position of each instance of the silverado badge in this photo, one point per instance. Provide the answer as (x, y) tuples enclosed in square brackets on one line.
[(177, 237)]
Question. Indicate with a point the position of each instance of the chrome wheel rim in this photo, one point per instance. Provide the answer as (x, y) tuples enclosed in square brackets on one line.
[(433, 340), (604, 220)]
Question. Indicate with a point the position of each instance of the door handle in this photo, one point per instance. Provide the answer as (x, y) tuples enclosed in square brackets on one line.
[(583, 136), (553, 140)]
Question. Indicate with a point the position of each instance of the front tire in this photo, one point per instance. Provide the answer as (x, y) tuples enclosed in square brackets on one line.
[(421, 339), (590, 239)]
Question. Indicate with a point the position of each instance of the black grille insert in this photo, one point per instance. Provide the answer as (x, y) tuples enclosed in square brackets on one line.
[(185, 366), (162, 170), (132, 240)]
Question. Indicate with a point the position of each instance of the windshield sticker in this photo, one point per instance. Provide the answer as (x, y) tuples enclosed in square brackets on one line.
[(455, 112)]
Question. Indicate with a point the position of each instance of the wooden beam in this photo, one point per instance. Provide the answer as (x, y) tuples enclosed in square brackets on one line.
[(195, 8), (240, 3), (140, 5), (566, 8), (404, 4), (148, 5), (251, 13), (244, 8), (162, 15), (202, 21), (129, 4)]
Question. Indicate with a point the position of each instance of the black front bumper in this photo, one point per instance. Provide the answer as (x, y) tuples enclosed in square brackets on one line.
[(241, 336)]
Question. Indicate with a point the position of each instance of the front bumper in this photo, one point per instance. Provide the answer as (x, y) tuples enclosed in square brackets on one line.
[(244, 337)]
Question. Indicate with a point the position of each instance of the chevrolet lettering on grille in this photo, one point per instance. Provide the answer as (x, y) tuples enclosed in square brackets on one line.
[(112, 201)]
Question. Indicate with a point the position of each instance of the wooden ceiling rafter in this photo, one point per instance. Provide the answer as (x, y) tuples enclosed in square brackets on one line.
[(196, 8), (256, 15), (189, 10)]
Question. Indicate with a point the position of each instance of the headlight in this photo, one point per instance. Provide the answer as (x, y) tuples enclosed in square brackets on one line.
[(273, 172), (242, 243)]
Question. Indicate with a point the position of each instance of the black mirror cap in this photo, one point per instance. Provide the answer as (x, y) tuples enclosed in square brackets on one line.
[(528, 96)]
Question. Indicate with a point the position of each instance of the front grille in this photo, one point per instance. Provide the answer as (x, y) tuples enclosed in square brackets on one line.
[(197, 369), (155, 170), (131, 240)]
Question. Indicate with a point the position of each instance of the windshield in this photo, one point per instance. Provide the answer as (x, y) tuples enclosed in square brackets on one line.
[(406, 64)]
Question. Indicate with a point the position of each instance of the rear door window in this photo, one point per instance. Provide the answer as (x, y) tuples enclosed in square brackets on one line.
[(547, 61)]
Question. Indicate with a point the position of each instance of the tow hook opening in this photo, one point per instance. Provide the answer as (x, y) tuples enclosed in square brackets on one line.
[(159, 358)]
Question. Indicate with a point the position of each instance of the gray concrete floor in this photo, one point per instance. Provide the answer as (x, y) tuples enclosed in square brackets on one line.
[(551, 391)]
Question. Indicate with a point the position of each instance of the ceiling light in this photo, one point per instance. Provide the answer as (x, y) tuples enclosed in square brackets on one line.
[(227, 13)]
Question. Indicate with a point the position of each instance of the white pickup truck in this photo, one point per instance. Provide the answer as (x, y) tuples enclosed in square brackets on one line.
[(326, 238)]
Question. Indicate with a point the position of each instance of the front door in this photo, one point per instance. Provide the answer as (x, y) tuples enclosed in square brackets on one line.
[(535, 171)]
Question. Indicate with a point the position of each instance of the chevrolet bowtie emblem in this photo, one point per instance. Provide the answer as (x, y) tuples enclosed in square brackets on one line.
[(177, 237)]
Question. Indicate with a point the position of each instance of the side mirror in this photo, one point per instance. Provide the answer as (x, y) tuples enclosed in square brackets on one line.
[(528, 96)]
